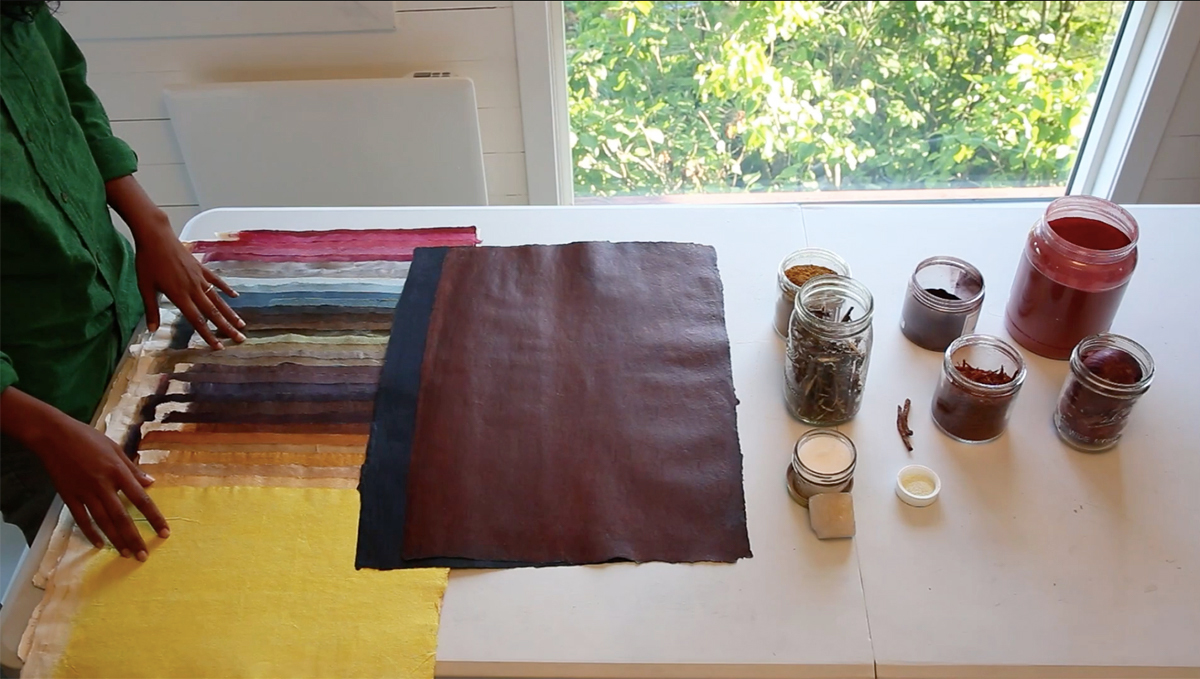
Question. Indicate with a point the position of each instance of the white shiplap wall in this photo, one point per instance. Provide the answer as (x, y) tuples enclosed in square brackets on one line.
[(1174, 175), (471, 39)]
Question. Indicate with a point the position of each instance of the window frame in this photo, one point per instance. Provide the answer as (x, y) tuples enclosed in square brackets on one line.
[(1145, 75)]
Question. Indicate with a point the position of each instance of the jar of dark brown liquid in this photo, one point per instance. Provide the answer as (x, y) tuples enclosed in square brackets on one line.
[(944, 297), (1109, 373), (1078, 258), (981, 376)]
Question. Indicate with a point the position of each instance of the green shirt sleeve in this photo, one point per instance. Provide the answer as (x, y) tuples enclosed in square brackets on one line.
[(113, 156), (8, 374)]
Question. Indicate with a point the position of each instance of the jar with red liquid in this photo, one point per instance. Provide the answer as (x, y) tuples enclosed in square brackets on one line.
[(1078, 258)]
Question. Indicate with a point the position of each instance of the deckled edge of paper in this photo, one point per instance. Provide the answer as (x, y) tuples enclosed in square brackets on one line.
[(45, 638), (54, 549), (135, 374)]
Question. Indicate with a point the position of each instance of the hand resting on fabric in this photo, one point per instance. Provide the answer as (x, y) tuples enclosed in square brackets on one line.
[(89, 471), (165, 265)]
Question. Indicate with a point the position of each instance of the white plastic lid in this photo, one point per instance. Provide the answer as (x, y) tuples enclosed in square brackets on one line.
[(918, 485)]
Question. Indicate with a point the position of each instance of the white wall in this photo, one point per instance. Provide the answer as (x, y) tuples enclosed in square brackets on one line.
[(1174, 175), (471, 39)]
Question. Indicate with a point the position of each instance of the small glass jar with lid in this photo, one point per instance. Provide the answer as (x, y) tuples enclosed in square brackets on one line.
[(944, 297), (823, 461), (828, 350), (1109, 373), (794, 271), (981, 376)]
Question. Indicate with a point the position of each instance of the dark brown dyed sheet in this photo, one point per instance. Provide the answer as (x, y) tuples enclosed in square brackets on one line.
[(576, 406), (269, 413), (282, 373)]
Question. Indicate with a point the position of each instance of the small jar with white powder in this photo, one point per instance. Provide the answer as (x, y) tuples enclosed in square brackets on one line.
[(822, 462)]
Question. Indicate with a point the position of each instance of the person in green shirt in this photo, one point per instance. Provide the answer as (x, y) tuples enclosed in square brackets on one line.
[(71, 288)]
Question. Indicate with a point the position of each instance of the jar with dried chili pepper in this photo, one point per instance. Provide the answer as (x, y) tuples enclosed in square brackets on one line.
[(1109, 373), (981, 376)]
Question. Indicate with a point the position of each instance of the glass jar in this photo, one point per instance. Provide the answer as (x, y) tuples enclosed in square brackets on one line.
[(944, 297), (823, 461), (1078, 259), (828, 350), (808, 257), (1109, 373), (981, 376)]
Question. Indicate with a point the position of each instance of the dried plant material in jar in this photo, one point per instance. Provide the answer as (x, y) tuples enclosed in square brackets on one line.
[(942, 294), (944, 298), (797, 269), (800, 274), (993, 377), (973, 400), (1109, 373), (829, 350)]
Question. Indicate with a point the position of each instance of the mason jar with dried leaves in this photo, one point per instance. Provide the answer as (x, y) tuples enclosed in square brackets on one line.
[(828, 350)]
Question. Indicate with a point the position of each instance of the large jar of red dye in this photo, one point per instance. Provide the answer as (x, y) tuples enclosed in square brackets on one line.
[(1078, 259)]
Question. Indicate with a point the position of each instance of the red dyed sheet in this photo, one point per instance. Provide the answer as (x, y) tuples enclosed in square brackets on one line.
[(339, 245)]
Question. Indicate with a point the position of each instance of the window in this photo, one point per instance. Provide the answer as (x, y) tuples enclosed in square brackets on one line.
[(765, 99)]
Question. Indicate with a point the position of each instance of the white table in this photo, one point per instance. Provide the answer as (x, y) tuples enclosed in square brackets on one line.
[(1036, 561)]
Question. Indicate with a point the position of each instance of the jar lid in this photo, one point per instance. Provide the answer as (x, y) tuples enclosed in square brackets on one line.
[(918, 485)]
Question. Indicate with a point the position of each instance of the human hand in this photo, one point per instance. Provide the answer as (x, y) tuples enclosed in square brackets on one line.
[(165, 265), (89, 471)]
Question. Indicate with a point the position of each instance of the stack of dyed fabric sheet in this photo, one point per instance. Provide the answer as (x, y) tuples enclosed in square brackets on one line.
[(555, 404), (256, 450)]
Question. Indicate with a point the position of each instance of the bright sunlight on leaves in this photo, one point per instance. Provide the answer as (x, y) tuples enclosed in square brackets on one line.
[(670, 97)]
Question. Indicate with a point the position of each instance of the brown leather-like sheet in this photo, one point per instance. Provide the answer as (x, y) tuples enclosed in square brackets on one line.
[(576, 406)]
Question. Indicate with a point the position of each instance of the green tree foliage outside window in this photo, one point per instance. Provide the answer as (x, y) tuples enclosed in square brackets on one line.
[(672, 97)]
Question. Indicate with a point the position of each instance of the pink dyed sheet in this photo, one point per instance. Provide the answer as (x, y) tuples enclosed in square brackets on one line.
[(345, 245)]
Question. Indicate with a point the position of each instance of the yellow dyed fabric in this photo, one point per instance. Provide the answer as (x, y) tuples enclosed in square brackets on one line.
[(253, 582)]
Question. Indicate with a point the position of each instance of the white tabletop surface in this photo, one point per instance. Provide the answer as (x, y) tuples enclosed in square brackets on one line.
[(1034, 554), (1036, 561)]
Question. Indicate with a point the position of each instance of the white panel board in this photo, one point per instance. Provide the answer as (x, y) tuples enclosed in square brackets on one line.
[(167, 185), (440, 5), (400, 141), (179, 216), (506, 174), (124, 20), (138, 95), (420, 38)]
